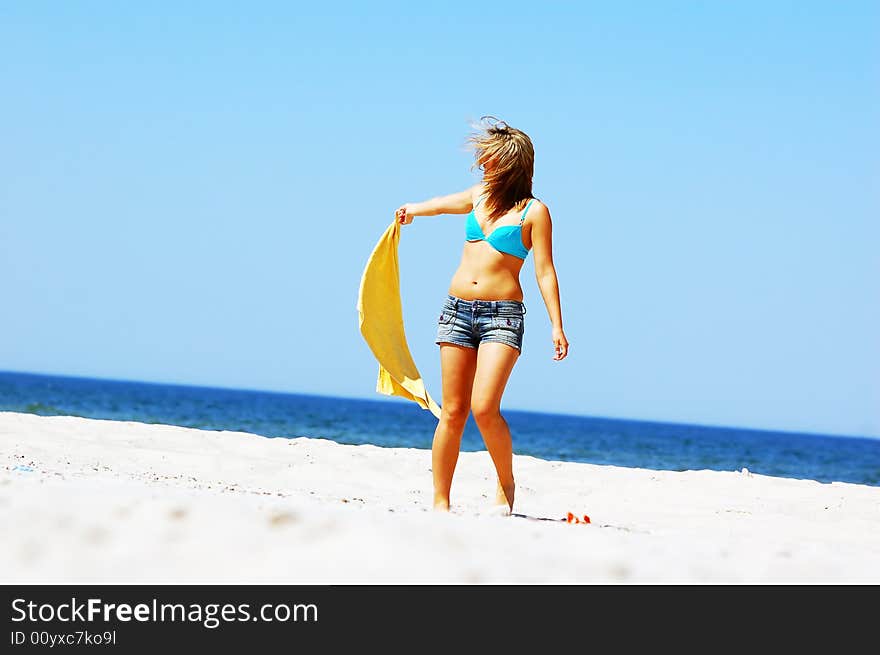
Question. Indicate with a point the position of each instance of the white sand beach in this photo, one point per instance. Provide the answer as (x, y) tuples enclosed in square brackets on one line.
[(99, 501)]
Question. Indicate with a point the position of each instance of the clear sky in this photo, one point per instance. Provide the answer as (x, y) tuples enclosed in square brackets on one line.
[(189, 193)]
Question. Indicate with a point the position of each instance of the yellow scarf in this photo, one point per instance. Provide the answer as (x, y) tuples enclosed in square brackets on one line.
[(381, 323)]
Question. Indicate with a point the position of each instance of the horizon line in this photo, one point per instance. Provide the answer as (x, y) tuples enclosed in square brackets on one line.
[(401, 401)]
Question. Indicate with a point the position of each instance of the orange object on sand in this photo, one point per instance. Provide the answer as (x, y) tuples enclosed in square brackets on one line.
[(571, 518)]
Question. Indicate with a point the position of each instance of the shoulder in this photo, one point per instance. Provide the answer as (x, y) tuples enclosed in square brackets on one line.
[(538, 213), (476, 191)]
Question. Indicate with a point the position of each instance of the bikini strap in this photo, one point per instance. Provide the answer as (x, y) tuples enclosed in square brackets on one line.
[(526, 210)]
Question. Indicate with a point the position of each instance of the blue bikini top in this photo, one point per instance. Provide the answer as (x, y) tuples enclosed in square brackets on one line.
[(505, 238)]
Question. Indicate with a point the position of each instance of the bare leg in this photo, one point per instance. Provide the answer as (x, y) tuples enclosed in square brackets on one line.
[(495, 362), (457, 366)]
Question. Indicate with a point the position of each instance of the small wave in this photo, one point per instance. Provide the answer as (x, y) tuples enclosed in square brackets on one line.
[(43, 409)]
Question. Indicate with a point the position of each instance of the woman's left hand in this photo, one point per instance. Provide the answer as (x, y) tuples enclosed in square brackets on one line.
[(560, 344)]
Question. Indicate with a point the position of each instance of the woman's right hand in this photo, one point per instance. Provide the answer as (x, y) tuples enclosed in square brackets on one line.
[(405, 213)]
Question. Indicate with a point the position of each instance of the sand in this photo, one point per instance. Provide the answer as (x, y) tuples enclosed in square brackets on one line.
[(99, 501)]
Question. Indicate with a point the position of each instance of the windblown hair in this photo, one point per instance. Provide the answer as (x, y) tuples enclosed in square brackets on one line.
[(509, 180)]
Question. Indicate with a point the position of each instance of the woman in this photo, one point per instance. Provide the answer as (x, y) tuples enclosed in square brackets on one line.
[(481, 323)]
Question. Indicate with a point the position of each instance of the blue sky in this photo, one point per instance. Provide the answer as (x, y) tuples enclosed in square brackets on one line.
[(189, 194)]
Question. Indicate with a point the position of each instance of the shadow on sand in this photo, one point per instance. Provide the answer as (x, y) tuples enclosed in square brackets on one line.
[(536, 518)]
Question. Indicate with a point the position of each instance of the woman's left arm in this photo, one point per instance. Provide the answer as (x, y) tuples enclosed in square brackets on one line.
[(545, 272)]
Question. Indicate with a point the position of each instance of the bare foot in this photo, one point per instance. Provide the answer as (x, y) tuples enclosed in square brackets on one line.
[(441, 505), (504, 496)]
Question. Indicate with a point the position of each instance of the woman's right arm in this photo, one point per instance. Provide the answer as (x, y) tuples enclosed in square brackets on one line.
[(455, 203)]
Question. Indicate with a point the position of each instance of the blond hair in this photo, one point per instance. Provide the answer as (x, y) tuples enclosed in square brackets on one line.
[(509, 181)]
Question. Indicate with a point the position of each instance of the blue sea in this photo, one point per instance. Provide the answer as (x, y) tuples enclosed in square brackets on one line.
[(392, 422)]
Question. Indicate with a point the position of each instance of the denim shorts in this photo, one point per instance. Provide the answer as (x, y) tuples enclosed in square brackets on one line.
[(472, 322)]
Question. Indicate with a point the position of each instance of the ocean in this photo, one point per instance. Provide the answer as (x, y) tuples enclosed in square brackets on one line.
[(392, 422)]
